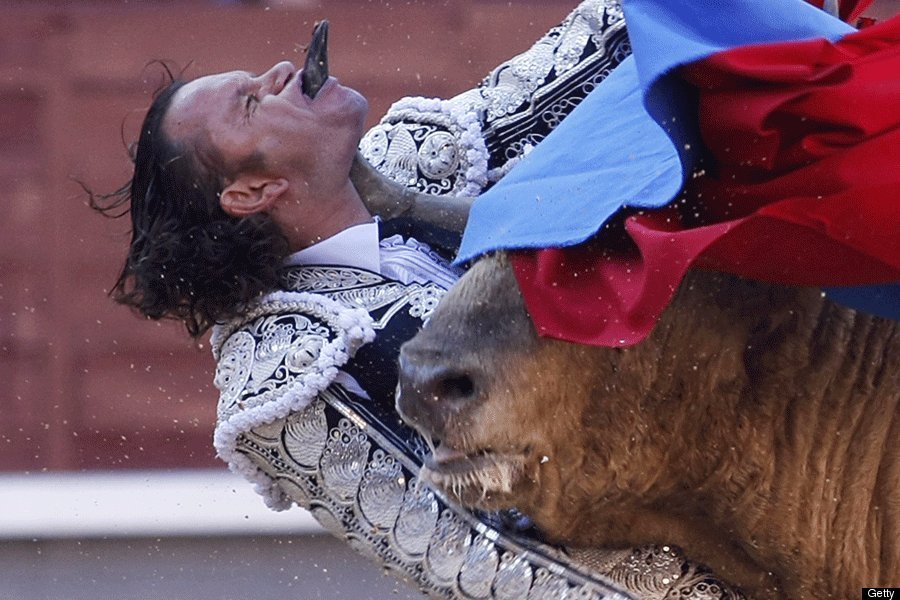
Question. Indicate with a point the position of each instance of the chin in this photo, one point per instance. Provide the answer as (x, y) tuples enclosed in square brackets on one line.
[(347, 101), (352, 114), (362, 111)]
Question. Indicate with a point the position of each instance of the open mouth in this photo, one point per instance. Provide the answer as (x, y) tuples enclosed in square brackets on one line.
[(473, 478), (315, 69)]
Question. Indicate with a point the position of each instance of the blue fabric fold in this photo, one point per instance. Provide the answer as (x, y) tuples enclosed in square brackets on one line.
[(572, 182), (633, 140), (881, 300)]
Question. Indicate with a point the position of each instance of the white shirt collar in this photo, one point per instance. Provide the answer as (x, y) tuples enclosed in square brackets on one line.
[(355, 246)]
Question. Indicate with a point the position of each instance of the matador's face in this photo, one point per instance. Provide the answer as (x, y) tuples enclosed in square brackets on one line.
[(267, 116)]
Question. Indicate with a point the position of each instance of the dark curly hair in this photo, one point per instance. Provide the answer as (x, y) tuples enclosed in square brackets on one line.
[(188, 259)]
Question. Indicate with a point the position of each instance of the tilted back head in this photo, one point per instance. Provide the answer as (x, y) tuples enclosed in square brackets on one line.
[(188, 259)]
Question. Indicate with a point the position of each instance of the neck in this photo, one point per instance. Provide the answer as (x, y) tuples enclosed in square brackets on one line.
[(308, 222)]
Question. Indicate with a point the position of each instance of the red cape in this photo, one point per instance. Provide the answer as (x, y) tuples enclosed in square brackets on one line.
[(801, 186)]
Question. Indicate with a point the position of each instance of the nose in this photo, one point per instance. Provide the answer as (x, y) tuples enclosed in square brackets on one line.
[(430, 391), (277, 76)]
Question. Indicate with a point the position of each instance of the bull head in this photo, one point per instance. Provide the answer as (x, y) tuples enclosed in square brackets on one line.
[(463, 384)]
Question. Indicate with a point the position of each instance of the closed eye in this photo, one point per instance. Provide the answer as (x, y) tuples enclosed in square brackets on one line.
[(246, 96), (251, 102)]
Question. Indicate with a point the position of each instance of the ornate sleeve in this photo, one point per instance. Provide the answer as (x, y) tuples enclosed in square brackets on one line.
[(275, 361), (463, 145)]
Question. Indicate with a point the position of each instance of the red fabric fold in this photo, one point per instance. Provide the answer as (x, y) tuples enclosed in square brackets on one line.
[(803, 188), (848, 10)]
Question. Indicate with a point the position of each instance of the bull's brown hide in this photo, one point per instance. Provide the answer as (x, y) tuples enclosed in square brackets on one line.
[(757, 427)]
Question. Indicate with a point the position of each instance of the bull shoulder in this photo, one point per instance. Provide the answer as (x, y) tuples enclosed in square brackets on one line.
[(802, 404), (753, 426)]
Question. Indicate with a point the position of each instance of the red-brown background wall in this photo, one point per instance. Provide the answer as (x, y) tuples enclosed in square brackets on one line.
[(84, 384)]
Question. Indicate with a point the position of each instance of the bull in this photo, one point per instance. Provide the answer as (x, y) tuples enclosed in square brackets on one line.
[(756, 427)]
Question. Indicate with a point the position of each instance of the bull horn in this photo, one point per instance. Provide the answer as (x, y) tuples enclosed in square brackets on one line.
[(315, 69), (388, 199)]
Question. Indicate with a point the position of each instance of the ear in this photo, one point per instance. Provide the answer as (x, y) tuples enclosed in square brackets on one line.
[(251, 194)]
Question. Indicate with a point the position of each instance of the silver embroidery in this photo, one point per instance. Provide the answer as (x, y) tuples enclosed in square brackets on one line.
[(366, 290), (541, 85), (511, 84), (548, 586), (324, 279), (479, 568), (286, 343), (513, 579), (261, 360), (343, 460), (381, 491), (305, 435), (438, 155), (418, 515), (657, 573), (233, 369), (449, 541), (401, 157), (419, 149)]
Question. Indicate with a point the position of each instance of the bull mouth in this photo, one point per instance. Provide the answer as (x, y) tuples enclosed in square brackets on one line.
[(480, 478), (315, 69)]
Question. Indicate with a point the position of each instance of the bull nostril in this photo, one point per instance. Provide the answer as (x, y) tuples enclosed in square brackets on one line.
[(456, 387)]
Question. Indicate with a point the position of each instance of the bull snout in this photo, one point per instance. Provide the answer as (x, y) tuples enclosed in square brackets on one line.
[(431, 391)]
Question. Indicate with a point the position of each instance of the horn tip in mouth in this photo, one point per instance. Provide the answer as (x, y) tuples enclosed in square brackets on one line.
[(315, 70)]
